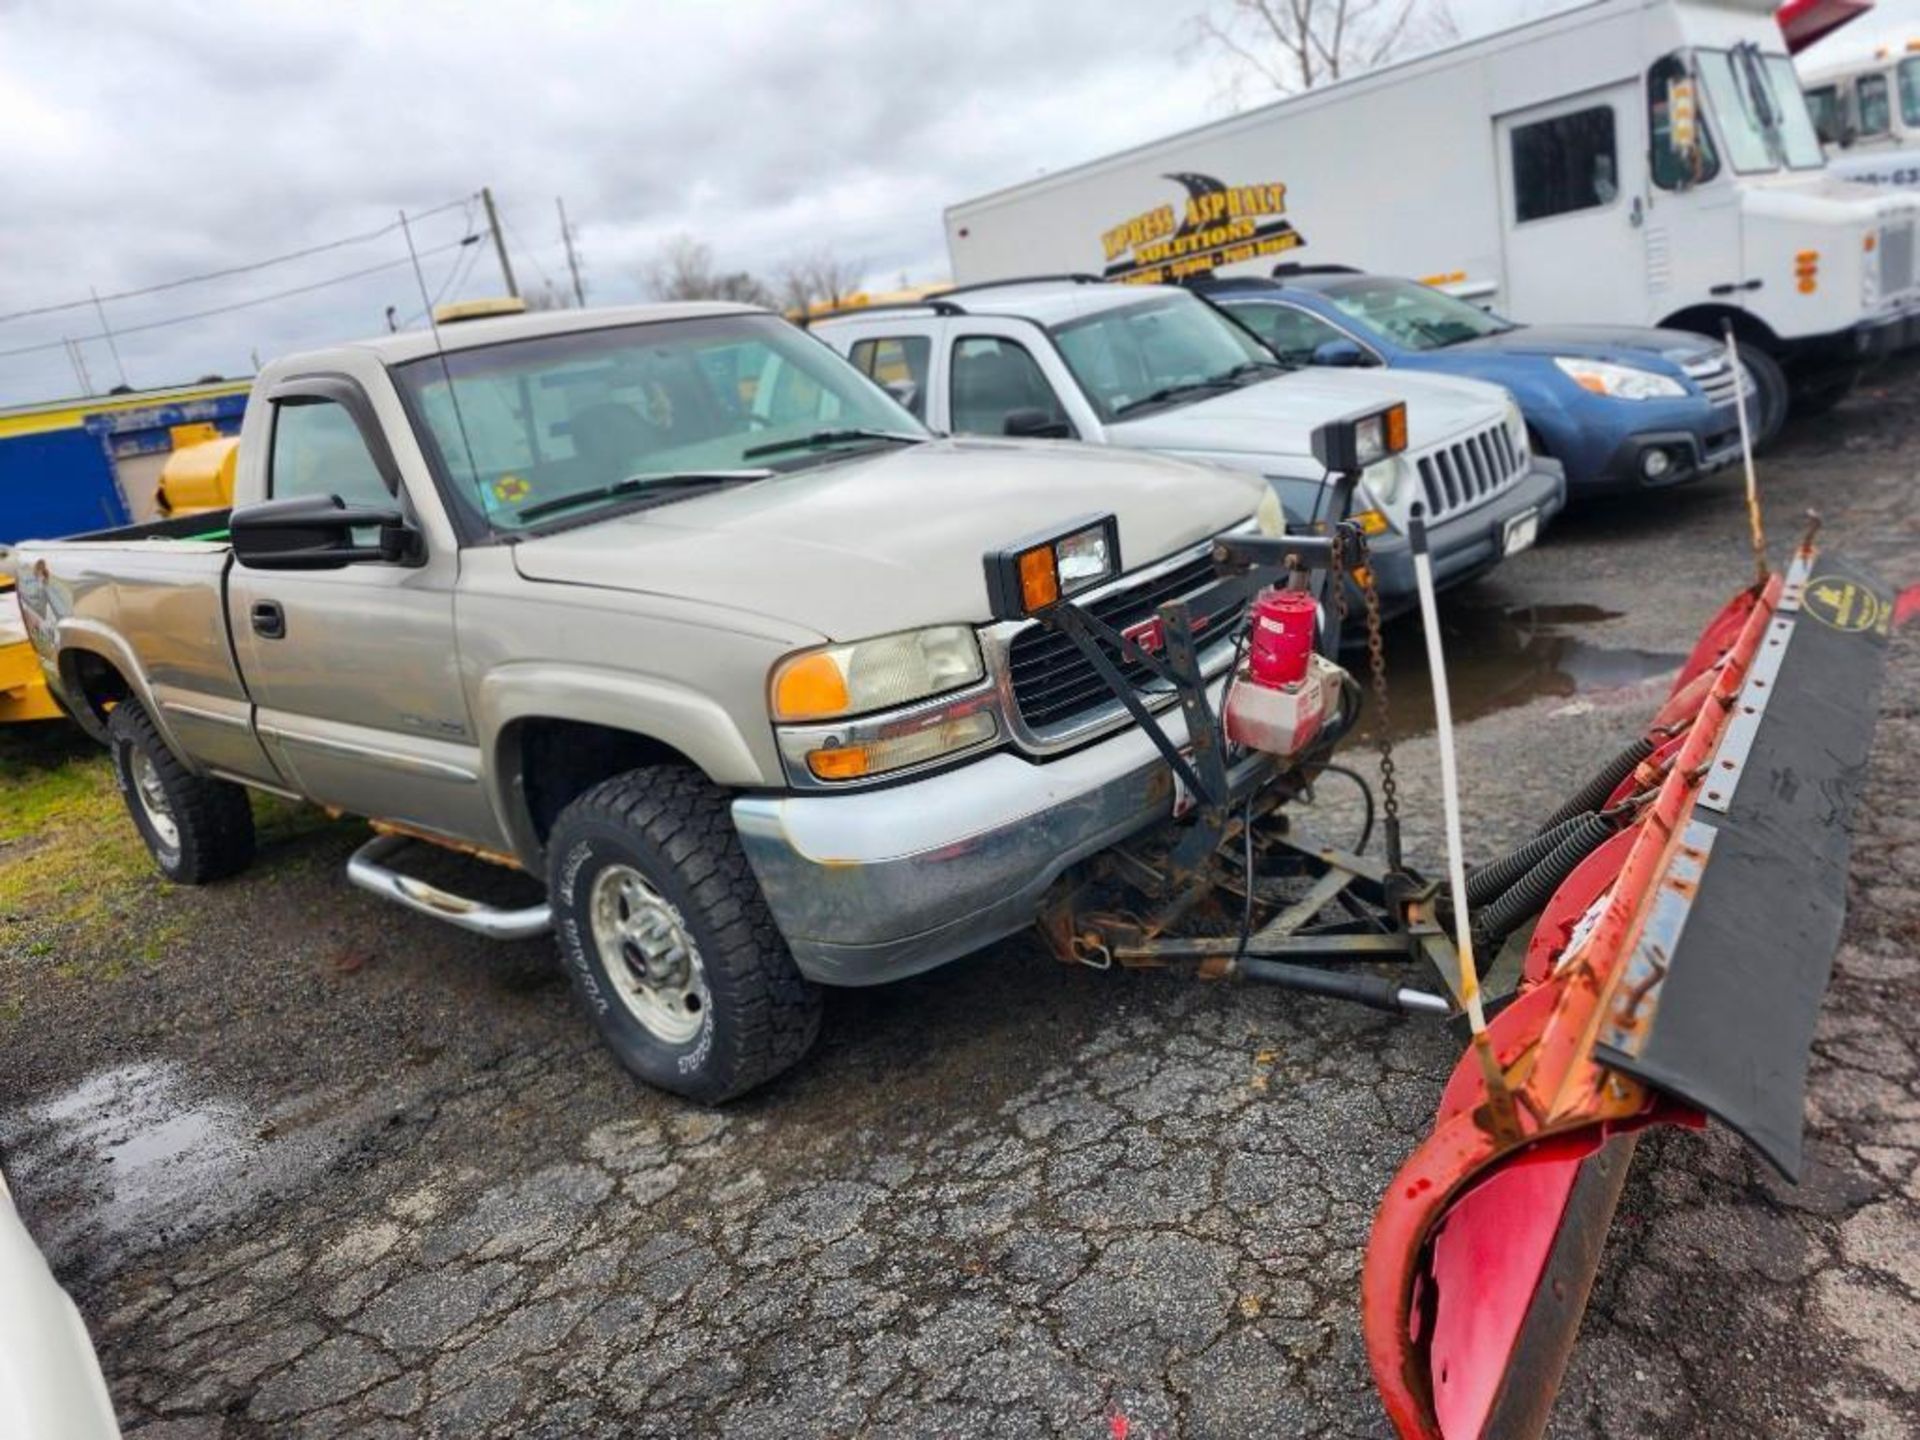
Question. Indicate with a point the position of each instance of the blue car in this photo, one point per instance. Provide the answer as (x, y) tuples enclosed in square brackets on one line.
[(1621, 407)]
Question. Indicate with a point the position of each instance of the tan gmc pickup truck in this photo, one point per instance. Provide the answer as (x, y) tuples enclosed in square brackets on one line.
[(669, 606)]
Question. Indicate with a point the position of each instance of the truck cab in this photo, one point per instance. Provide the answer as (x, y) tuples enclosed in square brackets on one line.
[(1865, 104), (1158, 368)]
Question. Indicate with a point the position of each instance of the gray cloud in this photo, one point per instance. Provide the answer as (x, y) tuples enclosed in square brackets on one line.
[(146, 142)]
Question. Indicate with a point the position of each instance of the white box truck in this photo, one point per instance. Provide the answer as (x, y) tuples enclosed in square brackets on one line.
[(1645, 161)]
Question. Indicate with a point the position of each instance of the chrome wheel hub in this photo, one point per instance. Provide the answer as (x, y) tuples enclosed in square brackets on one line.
[(153, 801), (654, 964)]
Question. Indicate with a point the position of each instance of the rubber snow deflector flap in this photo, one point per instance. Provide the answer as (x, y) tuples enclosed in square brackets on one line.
[(1747, 937)]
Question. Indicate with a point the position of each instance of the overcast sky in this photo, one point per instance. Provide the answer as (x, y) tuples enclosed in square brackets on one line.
[(145, 142)]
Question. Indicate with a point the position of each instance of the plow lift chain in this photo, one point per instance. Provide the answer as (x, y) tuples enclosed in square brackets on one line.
[(1240, 892)]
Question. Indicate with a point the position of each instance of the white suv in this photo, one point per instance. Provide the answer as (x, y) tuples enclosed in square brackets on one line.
[(1155, 367)]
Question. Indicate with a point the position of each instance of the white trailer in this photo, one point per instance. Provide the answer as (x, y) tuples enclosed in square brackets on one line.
[(1644, 161)]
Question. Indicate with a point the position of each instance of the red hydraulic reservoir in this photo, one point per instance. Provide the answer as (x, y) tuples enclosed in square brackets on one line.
[(1281, 636), (1282, 695)]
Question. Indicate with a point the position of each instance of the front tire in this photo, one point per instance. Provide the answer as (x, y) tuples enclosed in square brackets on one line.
[(668, 941), (1771, 395), (196, 828)]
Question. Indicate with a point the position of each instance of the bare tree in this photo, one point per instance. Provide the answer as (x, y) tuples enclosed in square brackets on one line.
[(547, 297), (819, 277), (1293, 45), (684, 269)]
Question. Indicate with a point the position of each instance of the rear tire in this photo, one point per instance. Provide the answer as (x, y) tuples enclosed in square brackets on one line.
[(1768, 412), (668, 940), (197, 828)]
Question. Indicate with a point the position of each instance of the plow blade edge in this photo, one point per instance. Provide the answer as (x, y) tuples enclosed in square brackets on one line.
[(1677, 973)]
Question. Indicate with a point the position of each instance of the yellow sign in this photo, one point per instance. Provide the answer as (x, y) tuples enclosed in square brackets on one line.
[(1217, 225), (511, 489), (1846, 605)]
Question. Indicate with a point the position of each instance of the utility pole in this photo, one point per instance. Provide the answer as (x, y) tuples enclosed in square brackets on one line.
[(573, 260), (107, 331), (79, 365), (499, 240)]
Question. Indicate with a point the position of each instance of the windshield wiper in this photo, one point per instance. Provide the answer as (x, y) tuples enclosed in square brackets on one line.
[(635, 484), (1246, 369), (1174, 392), (828, 437)]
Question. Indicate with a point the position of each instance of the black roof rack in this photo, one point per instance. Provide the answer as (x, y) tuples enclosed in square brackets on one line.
[(1076, 277), (1294, 267)]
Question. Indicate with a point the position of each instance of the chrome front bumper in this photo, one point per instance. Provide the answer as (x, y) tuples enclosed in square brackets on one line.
[(878, 885)]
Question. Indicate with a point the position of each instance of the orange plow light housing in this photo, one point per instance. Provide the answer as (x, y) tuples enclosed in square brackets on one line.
[(1486, 1242)]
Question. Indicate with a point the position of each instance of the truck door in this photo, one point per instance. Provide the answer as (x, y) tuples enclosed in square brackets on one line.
[(1573, 205), (353, 672)]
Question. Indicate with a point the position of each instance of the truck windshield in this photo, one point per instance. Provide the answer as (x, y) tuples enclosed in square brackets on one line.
[(641, 414), (1404, 312), (1166, 351), (1759, 110), (1910, 92)]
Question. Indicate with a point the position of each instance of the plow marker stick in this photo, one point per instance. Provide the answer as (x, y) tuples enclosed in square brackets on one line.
[(1746, 453), (1450, 803)]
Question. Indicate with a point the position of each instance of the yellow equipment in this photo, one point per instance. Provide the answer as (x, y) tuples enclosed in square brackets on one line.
[(198, 476), (23, 690)]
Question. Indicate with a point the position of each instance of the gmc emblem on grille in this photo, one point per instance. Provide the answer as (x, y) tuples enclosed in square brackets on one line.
[(1151, 634)]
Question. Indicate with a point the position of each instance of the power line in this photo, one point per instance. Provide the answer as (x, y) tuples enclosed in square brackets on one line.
[(272, 260), (244, 304)]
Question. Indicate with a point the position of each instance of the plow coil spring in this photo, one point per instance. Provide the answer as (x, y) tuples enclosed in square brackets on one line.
[(1593, 794), (1527, 895), (1495, 878)]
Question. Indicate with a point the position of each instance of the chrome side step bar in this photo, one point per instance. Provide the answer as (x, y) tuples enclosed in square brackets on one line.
[(366, 869)]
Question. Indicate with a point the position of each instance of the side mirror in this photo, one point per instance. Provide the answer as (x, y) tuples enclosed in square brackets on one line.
[(1035, 424), (1339, 352), (906, 392), (316, 532)]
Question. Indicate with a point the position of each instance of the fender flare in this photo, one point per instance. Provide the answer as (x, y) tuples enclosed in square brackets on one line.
[(692, 723)]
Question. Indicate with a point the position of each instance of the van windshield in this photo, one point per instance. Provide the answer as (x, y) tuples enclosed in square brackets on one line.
[(1759, 110), (1409, 314), (639, 414), (1166, 351)]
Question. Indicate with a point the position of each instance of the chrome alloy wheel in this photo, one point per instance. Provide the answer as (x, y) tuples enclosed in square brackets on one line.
[(153, 801), (652, 960)]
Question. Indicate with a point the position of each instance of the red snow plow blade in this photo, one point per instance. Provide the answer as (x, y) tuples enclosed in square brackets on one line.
[(1675, 973)]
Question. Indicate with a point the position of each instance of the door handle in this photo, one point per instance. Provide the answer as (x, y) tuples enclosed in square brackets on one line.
[(269, 620)]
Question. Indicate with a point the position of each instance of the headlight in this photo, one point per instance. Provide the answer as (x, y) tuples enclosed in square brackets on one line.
[(1270, 515), (1517, 431), (877, 674), (1386, 480), (1622, 382)]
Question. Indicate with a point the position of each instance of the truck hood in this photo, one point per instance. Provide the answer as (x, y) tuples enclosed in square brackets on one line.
[(1621, 344), (894, 540), (1277, 417)]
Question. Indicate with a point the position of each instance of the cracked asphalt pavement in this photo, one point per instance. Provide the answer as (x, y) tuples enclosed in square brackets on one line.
[(313, 1166)]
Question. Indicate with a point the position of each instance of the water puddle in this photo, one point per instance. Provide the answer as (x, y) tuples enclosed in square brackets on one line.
[(1502, 656), (138, 1157)]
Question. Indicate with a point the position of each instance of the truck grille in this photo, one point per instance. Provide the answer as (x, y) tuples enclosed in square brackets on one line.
[(1053, 683), (1461, 475), (1717, 378), (1896, 259)]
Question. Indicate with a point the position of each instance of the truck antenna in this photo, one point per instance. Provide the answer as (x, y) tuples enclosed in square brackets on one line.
[(440, 352)]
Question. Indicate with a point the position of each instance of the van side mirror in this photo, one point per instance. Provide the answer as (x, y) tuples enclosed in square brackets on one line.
[(1343, 353), (1035, 424), (317, 532)]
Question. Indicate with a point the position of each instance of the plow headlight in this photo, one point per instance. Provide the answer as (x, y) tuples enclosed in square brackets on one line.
[(876, 674), (1349, 445), (1042, 571)]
